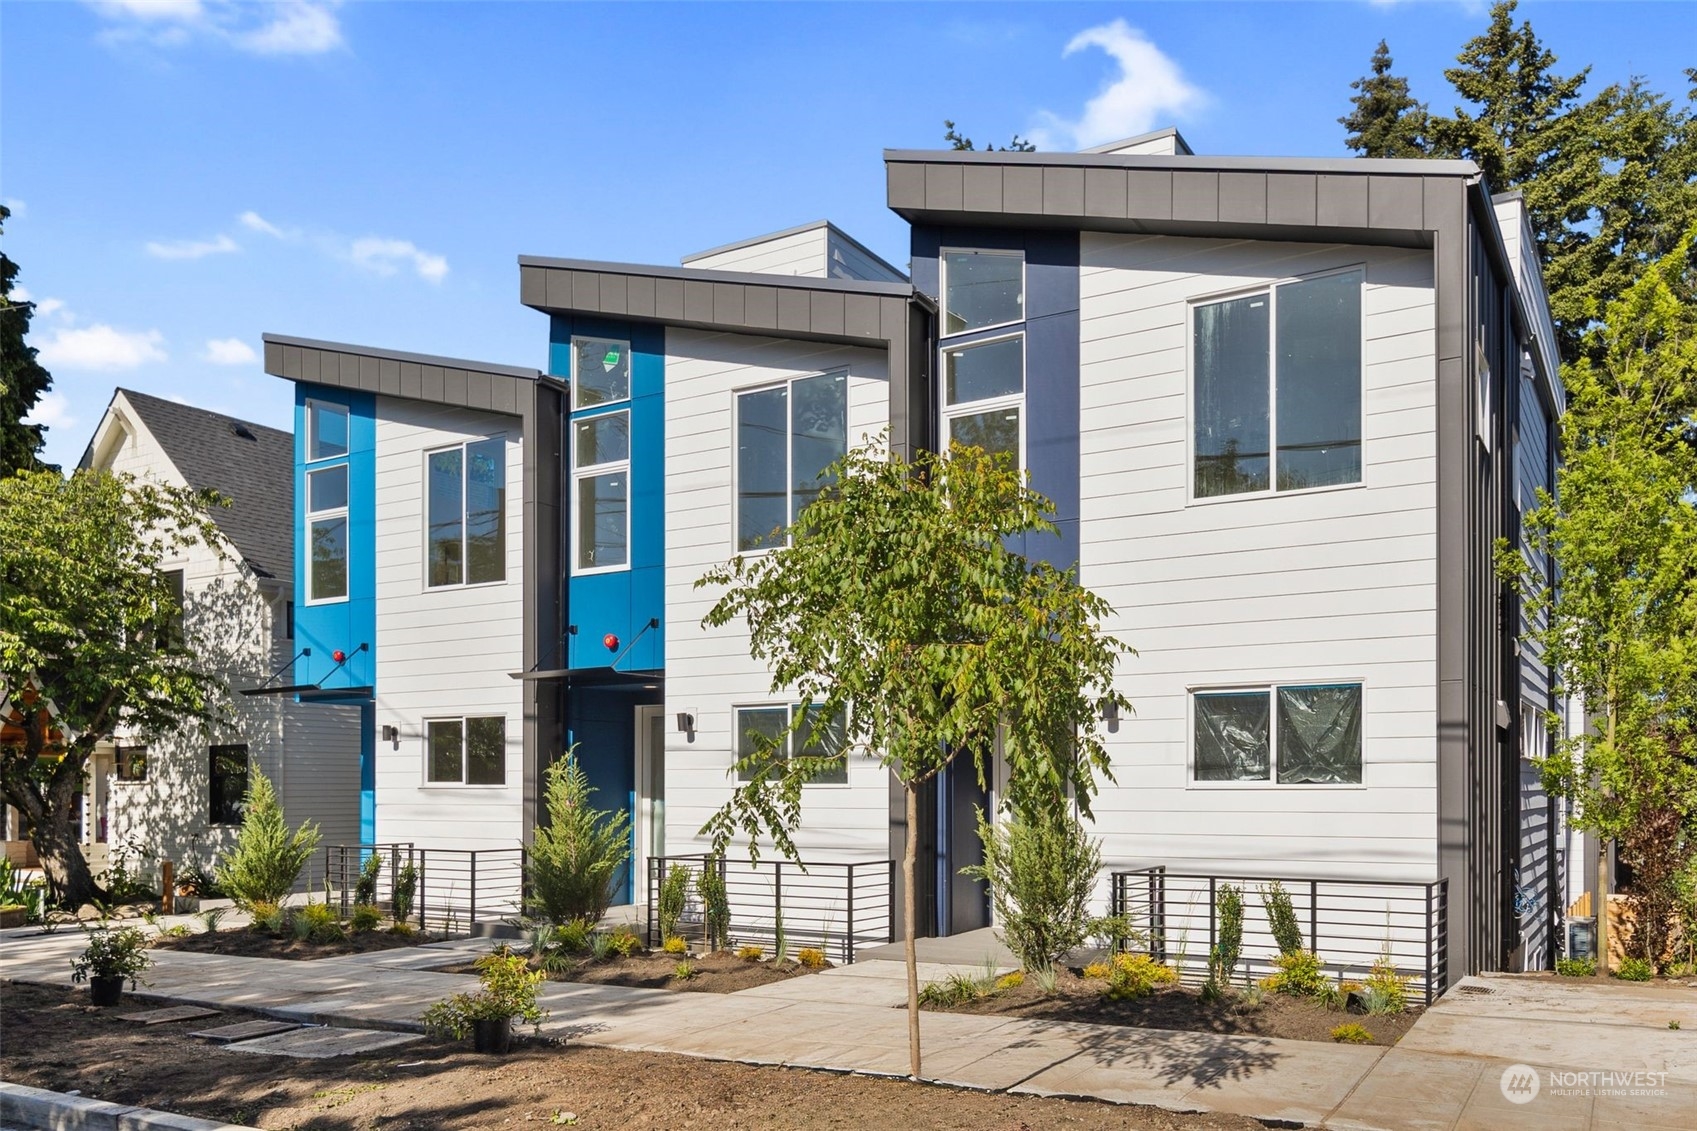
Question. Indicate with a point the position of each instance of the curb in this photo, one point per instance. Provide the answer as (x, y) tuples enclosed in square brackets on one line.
[(37, 1109)]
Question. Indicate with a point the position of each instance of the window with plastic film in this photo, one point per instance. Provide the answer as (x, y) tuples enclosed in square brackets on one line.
[(1289, 734)]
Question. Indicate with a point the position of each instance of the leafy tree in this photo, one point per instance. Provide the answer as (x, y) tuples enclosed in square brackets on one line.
[(268, 858), (82, 599), (1620, 628), (577, 858), (1387, 121), (959, 141), (899, 607), (22, 379)]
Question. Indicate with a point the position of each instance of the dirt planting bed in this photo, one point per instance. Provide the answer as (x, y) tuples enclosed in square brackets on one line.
[(247, 943), (1077, 998), (54, 1039), (719, 973)]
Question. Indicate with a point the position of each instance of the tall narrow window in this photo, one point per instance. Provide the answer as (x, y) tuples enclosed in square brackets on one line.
[(983, 351), (601, 460), (327, 533), (1277, 388), (326, 430), (787, 436), (227, 784), (600, 372), (170, 634), (465, 514)]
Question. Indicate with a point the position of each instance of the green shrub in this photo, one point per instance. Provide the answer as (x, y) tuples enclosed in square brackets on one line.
[(1137, 975), (1110, 932), (683, 971), (601, 945), (267, 917), (576, 860), (1041, 873), (751, 953), (509, 991), (624, 942), (1351, 1033), (1281, 918), (1576, 967), (1385, 990), (267, 858), (811, 957), (1228, 944), (715, 905), (402, 891), (1045, 978), (366, 917), (317, 922), (1635, 970), (675, 944), (112, 952), (1298, 973), (956, 989), (212, 917), (365, 886), (1010, 981), (673, 898), (573, 935)]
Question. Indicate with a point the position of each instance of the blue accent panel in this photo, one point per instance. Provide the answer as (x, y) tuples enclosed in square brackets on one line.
[(368, 773), (347, 624), (603, 726), (621, 603), (1051, 361)]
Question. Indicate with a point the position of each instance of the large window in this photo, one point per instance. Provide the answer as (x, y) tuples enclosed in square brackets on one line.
[(600, 372), (466, 751), (1277, 388), (983, 351), (327, 533), (466, 509), (763, 742), (600, 446), (326, 430), (787, 436), (227, 782), (1292, 734)]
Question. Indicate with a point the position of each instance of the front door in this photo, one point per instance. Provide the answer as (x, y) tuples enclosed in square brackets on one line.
[(650, 830)]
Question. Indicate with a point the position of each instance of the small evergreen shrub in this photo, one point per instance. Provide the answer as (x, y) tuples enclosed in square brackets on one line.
[(1385, 991), (1300, 974), (267, 858), (317, 922), (1576, 967), (675, 944), (811, 957), (1281, 918), (624, 942), (576, 861), (402, 892), (673, 898), (1635, 970), (1137, 975), (1351, 1033), (683, 971), (1110, 932), (750, 953), (715, 905), (267, 917), (1010, 981), (1041, 873), (573, 936), (365, 886), (1098, 970), (366, 917), (1222, 960)]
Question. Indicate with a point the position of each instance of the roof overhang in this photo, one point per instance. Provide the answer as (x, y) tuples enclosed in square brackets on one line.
[(396, 373)]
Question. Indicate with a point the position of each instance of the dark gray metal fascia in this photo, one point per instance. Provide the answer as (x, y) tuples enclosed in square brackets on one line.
[(1188, 162), (402, 355), (708, 275)]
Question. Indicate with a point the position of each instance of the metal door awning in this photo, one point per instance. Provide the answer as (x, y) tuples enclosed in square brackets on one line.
[(311, 691)]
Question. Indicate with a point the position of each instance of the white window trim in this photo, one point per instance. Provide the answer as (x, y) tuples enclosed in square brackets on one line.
[(947, 412), (630, 372), (593, 471), (424, 764), (1270, 687), (312, 434), (424, 525), (1270, 289), (788, 385), (313, 516), (789, 708), (943, 290)]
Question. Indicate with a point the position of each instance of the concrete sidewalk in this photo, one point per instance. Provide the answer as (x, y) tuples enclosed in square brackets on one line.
[(1445, 1074)]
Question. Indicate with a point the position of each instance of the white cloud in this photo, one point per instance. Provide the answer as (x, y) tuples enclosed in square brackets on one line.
[(229, 351), (276, 27), (386, 256), (102, 347), (17, 207), (255, 222), (193, 249), (48, 307), (1149, 88), (53, 410)]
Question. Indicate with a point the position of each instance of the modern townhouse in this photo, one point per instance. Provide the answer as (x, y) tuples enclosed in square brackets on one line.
[(1285, 409), (178, 796)]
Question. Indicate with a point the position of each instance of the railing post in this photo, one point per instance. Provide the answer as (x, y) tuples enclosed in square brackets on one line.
[(777, 898), (656, 869), (849, 951), (471, 914), (423, 862), (892, 900), (1212, 938), (1314, 916)]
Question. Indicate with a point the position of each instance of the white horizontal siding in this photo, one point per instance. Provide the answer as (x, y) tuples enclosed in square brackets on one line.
[(849, 261), (797, 253), (1330, 585), (708, 672), (446, 652)]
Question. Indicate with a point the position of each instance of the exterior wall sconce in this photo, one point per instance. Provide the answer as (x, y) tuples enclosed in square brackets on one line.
[(686, 724), (392, 734)]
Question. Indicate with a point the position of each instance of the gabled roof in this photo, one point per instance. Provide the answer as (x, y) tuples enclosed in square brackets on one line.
[(249, 464)]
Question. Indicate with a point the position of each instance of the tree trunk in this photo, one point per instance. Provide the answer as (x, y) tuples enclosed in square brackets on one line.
[(910, 856), (1602, 908), (68, 877)]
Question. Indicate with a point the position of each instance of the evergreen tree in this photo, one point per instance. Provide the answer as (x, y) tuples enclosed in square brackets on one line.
[(22, 379), (1387, 121), (960, 141)]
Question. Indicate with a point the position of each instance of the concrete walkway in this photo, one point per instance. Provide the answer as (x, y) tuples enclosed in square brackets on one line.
[(1445, 1074)]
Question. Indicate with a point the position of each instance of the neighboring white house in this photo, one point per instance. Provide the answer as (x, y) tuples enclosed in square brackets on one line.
[(1284, 407), (178, 795)]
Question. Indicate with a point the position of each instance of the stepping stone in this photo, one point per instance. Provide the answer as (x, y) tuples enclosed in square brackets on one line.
[(323, 1042), (171, 1013), (246, 1030)]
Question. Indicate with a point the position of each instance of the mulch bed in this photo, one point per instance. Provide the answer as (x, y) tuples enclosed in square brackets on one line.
[(54, 1039), (719, 973), (247, 943), (1176, 1007)]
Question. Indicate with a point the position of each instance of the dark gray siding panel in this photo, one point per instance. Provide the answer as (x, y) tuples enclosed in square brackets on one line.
[(1243, 197), (1063, 192), (389, 377), (1290, 198), (982, 189), (533, 286), (728, 303), (585, 291), (412, 380), (368, 374), (760, 308), (1196, 196), (1149, 193), (1394, 201), (1342, 201), (698, 301), (827, 313), (615, 294), (477, 390), (1022, 190), (669, 300), (1105, 193), (641, 298), (860, 316), (906, 184), (795, 315), (943, 187)]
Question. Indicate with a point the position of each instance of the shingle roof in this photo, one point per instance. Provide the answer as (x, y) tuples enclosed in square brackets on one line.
[(250, 464)]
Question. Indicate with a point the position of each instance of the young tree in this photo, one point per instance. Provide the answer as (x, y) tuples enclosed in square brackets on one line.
[(83, 639), (1387, 121), (22, 379), (267, 858), (899, 609), (1618, 601)]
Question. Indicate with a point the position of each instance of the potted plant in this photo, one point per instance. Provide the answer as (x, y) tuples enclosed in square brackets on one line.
[(509, 991), (111, 957)]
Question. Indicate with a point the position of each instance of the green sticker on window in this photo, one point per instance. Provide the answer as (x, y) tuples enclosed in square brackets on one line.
[(611, 360)]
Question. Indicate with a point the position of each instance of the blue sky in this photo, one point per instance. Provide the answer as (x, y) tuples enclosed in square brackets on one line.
[(188, 174)]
